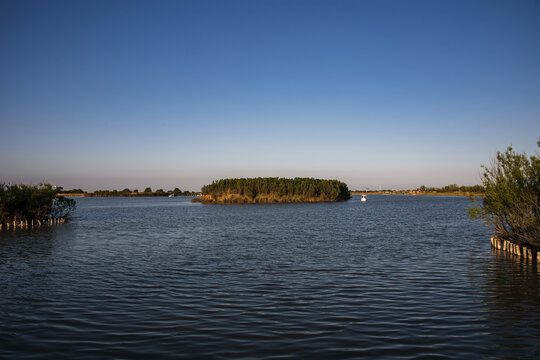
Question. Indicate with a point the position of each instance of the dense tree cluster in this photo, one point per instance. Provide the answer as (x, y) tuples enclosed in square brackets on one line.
[(19, 202), (273, 189), (511, 203)]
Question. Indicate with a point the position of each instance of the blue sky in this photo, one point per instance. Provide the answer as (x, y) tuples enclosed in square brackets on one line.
[(391, 94)]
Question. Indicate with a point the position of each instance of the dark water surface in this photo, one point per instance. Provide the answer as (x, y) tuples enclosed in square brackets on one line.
[(395, 277)]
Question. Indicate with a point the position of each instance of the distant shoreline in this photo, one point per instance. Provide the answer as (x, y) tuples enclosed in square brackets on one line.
[(122, 195), (414, 193), (396, 192)]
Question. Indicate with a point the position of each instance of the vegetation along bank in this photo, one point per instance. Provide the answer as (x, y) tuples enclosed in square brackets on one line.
[(511, 205), (25, 205)]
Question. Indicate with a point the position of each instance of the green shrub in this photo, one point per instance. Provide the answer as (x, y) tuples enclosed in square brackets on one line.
[(511, 202), (21, 202)]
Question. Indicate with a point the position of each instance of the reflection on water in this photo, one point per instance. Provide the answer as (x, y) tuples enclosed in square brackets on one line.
[(393, 277), (513, 304)]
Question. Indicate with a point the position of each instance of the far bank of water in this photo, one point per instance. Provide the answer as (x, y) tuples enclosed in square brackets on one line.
[(393, 277)]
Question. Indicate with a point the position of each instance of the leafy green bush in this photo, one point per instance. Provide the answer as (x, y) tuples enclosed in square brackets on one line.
[(511, 202), (21, 202)]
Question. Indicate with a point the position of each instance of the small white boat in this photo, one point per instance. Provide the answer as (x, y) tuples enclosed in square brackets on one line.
[(363, 198), (171, 195)]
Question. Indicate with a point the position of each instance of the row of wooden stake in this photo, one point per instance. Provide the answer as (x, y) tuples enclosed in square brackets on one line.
[(32, 223), (515, 249)]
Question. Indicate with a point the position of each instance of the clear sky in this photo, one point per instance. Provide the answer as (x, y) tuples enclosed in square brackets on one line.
[(391, 94)]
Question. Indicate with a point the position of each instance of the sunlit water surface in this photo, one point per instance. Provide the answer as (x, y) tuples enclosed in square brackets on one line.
[(396, 277)]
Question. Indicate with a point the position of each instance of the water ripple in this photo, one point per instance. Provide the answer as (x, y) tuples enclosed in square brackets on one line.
[(393, 278)]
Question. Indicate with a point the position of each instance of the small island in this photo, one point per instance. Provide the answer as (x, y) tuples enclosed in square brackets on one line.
[(272, 190)]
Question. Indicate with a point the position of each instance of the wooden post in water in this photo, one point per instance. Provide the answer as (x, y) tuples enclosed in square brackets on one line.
[(523, 251)]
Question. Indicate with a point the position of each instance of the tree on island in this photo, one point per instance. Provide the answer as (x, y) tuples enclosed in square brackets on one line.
[(148, 190), (511, 203), (273, 190)]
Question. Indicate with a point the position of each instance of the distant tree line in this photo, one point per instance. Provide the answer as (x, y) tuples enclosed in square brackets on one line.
[(127, 192), (72, 191), (273, 189), (19, 202), (453, 188)]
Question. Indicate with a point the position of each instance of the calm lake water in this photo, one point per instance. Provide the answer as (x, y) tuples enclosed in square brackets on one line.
[(396, 277)]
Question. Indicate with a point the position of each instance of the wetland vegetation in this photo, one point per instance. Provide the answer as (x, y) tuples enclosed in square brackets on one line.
[(20, 202), (511, 205)]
